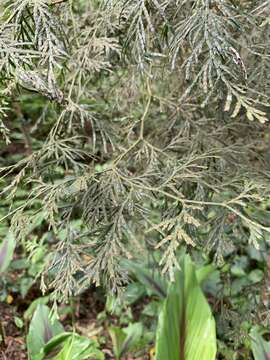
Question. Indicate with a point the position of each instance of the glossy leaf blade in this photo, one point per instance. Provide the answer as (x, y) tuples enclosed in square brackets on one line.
[(186, 328), (42, 329)]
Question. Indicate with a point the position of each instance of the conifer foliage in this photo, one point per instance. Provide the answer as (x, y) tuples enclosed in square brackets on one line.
[(150, 130)]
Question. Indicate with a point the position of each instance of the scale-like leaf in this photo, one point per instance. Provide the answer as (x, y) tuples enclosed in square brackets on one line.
[(186, 328)]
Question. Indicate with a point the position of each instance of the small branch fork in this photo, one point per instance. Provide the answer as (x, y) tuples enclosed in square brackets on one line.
[(142, 121)]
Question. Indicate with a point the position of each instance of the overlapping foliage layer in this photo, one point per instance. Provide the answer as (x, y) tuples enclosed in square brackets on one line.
[(150, 130)]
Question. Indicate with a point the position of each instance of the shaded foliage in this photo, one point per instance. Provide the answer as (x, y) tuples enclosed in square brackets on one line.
[(150, 130)]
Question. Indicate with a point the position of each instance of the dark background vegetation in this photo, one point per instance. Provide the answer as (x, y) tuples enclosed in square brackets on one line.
[(132, 132)]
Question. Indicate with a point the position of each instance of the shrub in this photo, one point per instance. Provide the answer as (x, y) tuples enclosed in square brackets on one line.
[(143, 125)]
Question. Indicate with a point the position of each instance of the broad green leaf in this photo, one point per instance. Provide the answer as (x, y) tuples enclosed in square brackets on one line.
[(260, 347), (152, 309), (18, 322), (6, 251), (32, 307), (70, 346), (125, 339), (55, 342), (134, 291), (256, 275), (77, 347), (118, 337), (152, 280), (186, 327), (42, 329), (25, 285), (133, 333), (203, 273)]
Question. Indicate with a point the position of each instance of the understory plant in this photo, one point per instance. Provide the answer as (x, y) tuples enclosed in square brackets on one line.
[(47, 339), (186, 328), (139, 127)]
